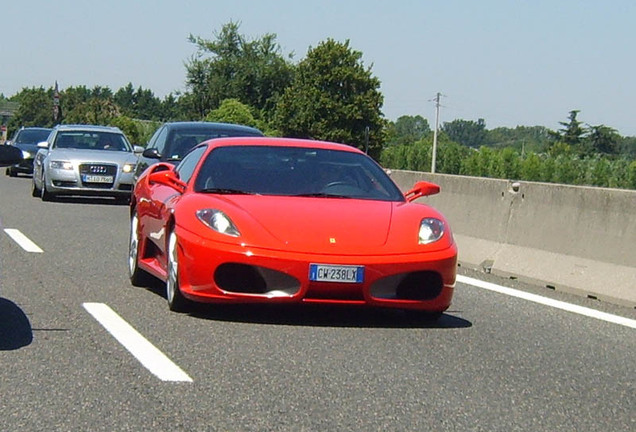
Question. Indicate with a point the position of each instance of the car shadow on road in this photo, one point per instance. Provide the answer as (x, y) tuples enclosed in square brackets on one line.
[(313, 315), (90, 200), (15, 328), (325, 316)]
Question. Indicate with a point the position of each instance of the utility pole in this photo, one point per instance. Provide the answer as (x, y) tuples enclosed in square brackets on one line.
[(435, 132)]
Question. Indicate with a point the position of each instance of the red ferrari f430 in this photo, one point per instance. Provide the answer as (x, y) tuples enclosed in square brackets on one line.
[(272, 220)]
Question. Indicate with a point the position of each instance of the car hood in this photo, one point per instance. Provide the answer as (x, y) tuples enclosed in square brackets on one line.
[(100, 156), (310, 225), (31, 148)]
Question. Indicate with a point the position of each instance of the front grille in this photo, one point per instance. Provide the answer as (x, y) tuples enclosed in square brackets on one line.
[(248, 279), (100, 170)]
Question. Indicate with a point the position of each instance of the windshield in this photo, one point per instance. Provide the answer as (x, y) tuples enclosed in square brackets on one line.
[(89, 140), (32, 136), (296, 171), (183, 140)]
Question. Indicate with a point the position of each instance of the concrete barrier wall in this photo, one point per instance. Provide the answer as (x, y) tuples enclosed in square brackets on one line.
[(570, 238)]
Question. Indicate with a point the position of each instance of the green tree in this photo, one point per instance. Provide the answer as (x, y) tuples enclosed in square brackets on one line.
[(129, 128), (524, 139), (466, 132), (449, 156), (602, 139), (407, 130), (505, 164), (569, 138), (631, 176), (72, 97), (35, 109), (531, 168), (568, 170), (95, 111), (232, 111), (333, 97), (233, 67)]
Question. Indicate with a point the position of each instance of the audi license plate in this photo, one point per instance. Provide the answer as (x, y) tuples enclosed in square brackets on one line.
[(336, 273), (96, 178)]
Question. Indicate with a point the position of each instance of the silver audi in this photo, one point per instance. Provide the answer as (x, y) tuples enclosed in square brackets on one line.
[(85, 160)]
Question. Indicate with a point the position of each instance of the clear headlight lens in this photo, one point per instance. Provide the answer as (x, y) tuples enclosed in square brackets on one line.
[(128, 168), (26, 154), (63, 165), (431, 230), (218, 221)]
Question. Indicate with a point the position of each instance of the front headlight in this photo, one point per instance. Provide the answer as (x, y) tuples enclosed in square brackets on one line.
[(128, 168), (62, 165), (431, 230), (218, 221), (26, 154)]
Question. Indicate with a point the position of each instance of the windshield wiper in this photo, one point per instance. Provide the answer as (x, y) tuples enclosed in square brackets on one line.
[(226, 191), (321, 195)]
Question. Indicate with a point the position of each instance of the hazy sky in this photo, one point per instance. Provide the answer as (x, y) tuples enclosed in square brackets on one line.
[(508, 62)]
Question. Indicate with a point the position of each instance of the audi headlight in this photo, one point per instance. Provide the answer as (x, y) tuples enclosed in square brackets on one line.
[(128, 168), (218, 221), (61, 165), (431, 230)]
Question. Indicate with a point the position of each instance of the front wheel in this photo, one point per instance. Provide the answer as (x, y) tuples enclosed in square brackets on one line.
[(176, 301), (138, 276), (45, 195), (35, 192)]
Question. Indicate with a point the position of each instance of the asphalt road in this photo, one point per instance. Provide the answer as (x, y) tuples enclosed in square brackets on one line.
[(492, 363)]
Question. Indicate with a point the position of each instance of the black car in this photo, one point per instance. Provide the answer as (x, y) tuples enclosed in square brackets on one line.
[(173, 140), (27, 139)]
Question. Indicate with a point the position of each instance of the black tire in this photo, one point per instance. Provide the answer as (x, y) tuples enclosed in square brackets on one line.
[(138, 276), (45, 195), (176, 301), (35, 192)]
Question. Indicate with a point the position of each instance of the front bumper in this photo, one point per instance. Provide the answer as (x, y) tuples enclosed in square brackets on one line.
[(24, 167), (71, 182), (219, 272)]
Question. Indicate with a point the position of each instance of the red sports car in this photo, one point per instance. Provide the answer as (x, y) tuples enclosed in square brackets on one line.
[(275, 220)]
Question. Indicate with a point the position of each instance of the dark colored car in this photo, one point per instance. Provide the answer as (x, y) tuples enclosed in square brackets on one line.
[(173, 140), (27, 139)]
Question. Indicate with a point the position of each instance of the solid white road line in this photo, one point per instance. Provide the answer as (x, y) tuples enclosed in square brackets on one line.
[(23, 240), (615, 319), (149, 356)]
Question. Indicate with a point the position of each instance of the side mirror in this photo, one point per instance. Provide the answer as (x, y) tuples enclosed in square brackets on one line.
[(164, 174), (151, 153), (138, 149), (10, 155), (43, 144), (420, 189)]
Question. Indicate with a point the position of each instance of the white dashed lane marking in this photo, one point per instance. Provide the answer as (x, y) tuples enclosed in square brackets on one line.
[(22, 240), (592, 313), (147, 354)]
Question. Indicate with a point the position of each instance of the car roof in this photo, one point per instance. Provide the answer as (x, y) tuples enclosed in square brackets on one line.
[(281, 142), (207, 125), (34, 128), (92, 128)]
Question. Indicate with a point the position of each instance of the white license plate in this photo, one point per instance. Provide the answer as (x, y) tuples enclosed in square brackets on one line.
[(336, 273), (97, 179)]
